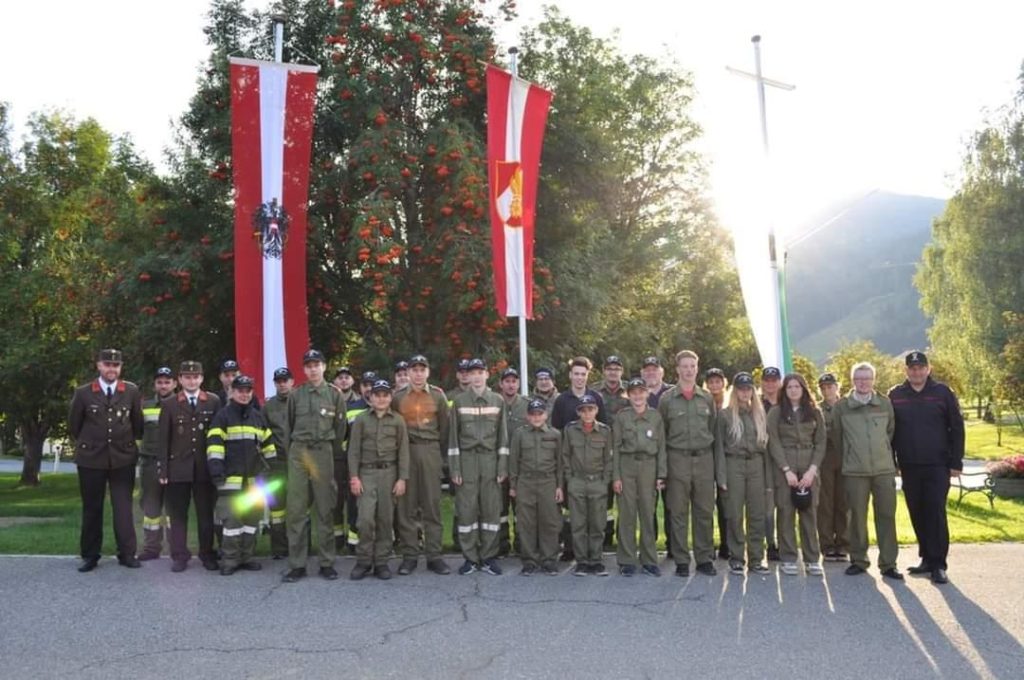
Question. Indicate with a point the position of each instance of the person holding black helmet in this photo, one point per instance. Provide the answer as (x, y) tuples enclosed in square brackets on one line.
[(796, 441), (929, 445)]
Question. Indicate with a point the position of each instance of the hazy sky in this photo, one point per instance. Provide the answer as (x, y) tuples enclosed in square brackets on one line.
[(887, 92)]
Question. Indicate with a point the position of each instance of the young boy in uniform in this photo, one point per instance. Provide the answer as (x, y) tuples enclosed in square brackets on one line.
[(587, 461), (378, 462), (535, 482)]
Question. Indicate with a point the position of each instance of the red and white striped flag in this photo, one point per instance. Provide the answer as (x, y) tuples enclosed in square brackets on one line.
[(271, 130), (517, 112)]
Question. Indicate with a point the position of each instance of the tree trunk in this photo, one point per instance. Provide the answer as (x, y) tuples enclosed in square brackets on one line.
[(32, 437)]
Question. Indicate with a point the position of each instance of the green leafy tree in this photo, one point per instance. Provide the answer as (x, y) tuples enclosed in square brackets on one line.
[(70, 201), (970, 276)]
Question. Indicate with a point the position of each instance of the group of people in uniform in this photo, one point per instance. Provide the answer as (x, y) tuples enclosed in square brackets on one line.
[(367, 464)]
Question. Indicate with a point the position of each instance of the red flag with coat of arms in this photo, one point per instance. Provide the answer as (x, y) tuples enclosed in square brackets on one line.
[(517, 113)]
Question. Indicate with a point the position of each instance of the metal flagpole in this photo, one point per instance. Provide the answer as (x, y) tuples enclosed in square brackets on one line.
[(758, 77), (524, 381)]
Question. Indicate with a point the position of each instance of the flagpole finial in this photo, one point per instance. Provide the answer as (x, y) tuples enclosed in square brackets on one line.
[(513, 50), (756, 39), (278, 21)]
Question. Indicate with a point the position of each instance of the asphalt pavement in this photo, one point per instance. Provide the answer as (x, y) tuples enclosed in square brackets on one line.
[(150, 623)]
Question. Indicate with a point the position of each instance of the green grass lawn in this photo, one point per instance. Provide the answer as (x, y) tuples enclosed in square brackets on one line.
[(973, 522), (981, 440)]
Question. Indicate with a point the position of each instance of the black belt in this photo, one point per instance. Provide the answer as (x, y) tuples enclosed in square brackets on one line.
[(742, 455), (638, 454), (375, 466), (689, 452), (588, 478)]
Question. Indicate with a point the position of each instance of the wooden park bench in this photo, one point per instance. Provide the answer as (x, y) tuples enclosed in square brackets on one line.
[(973, 482)]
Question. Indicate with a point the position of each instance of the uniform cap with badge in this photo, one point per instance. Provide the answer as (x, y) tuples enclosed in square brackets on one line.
[(462, 366), (242, 382), (190, 368), (381, 386), (418, 360), (536, 406), (543, 373), (477, 365), (368, 378), (228, 365), (401, 365), (585, 401), (613, 361), (651, 361), (771, 373), (714, 373), (828, 379), (164, 372), (801, 497), (282, 374), (343, 369), (509, 373), (111, 356)]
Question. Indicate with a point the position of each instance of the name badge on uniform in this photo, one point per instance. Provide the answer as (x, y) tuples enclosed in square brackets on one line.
[(650, 434)]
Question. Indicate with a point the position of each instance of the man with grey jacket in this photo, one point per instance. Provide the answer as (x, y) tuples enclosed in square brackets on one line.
[(864, 423)]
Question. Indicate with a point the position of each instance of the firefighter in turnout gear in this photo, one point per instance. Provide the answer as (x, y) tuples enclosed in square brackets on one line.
[(478, 456), (238, 445), (152, 492)]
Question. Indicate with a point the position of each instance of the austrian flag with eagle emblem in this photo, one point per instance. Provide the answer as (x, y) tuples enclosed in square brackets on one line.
[(271, 131), (517, 112)]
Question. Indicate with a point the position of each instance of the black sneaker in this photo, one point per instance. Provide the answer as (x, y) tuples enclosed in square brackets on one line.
[(736, 567), (360, 571), (580, 569), (491, 566), (383, 572), (707, 568), (210, 564), (250, 566), (294, 575), (406, 567), (761, 569), (328, 573), (178, 566), (438, 566), (854, 569), (228, 571), (549, 568), (529, 569), (683, 570), (129, 561), (627, 570), (598, 569), (923, 568), (467, 568), (146, 556), (651, 570)]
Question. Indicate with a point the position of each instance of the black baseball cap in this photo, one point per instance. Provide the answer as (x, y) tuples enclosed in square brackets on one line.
[(381, 386), (282, 374), (771, 372), (536, 406), (586, 400), (743, 379), (714, 372), (401, 365), (635, 383), (164, 372), (313, 355), (543, 373), (242, 381), (368, 378), (613, 360), (476, 365), (343, 369), (228, 365), (651, 361), (509, 372), (463, 365), (419, 360), (828, 379), (917, 358)]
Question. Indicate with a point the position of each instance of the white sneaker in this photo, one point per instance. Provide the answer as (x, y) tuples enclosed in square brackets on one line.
[(789, 568), (814, 569)]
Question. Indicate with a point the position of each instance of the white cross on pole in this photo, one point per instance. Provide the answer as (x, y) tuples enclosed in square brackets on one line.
[(761, 81)]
